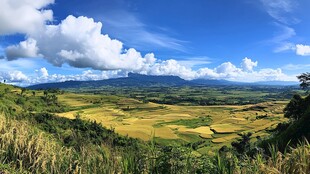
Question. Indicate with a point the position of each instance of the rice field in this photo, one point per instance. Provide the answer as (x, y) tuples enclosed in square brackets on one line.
[(214, 125)]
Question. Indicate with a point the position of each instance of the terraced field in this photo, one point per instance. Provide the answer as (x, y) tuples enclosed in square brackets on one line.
[(211, 126)]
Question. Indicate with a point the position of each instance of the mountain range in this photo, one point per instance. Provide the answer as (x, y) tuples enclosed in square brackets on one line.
[(140, 80)]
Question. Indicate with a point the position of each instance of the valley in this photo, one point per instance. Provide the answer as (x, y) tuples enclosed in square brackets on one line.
[(209, 127)]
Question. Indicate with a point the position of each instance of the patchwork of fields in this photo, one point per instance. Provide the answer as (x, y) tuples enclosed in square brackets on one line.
[(209, 126)]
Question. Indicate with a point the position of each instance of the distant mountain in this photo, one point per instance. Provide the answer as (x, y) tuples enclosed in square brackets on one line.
[(226, 82), (139, 80), (132, 80), (213, 82), (277, 83)]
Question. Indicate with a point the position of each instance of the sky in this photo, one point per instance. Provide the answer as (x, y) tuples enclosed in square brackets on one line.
[(238, 40)]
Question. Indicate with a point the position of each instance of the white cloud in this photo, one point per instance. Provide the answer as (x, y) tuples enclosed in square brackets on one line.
[(27, 48), (293, 67), (130, 29), (282, 38), (303, 50), (22, 64), (44, 77), (280, 10), (192, 62), (284, 46), (227, 71), (227, 68), (42, 72), (284, 34), (79, 43), (236, 74), (248, 65), (171, 67), (13, 76), (23, 16)]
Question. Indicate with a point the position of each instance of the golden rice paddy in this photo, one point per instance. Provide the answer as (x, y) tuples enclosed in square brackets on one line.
[(131, 117)]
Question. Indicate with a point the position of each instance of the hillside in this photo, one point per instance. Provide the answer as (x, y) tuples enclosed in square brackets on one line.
[(297, 128), (38, 141), (45, 143)]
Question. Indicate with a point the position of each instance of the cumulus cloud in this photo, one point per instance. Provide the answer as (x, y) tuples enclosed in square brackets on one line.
[(78, 42), (42, 76), (24, 16), (26, 48), (303, 50), (13, 76), (226, 70), (237, 74), (171, 67), (42, 72), (248, 65)]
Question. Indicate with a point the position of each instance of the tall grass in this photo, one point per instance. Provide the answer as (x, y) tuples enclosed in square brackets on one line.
[(297, 160), (293, 161), (28, 149)]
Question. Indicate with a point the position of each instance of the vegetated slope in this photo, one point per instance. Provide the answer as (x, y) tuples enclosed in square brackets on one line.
[(138, 80), (40, 142), (292, 132)]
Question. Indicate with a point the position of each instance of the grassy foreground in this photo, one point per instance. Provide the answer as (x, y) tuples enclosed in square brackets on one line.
[(24, 149)]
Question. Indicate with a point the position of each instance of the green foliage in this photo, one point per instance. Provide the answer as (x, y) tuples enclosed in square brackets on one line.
[(304, 78), (12, 102), (243, 146), (295, 108), (78, 133), (190, 123), (23, 90), (198, 95), (20, 101), (299, 110)]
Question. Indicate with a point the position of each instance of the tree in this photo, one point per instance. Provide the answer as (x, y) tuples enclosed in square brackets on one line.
[(23, 90), (304, 78), (45, 93), (295, 108), (6, 90), (242, 145)]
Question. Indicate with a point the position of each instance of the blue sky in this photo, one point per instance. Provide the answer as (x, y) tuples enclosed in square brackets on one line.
[(239, 40)]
